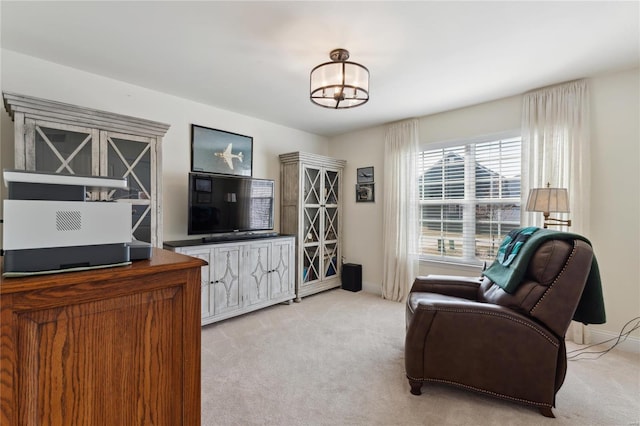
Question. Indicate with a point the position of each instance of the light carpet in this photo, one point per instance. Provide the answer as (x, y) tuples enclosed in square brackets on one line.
[(337, 358)]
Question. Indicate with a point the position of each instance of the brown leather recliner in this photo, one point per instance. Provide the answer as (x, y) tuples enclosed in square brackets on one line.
[(470, 333)]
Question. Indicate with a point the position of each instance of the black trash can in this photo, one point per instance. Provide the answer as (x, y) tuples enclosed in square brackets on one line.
[(352, 276)]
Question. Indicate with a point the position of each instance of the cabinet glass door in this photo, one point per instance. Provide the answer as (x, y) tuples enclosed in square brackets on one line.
[(330, 223), (311, 263), (311, 224), (312, 183), (131, 157), (331, 187), (312, 221), (330, 260), (59, 148), (330, 227)]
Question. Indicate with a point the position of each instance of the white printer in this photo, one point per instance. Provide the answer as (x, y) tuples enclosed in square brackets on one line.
[(51, 225)]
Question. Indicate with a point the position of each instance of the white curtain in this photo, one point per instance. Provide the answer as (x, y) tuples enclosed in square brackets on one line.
[(400, 219), (556, 150), (555, 141)]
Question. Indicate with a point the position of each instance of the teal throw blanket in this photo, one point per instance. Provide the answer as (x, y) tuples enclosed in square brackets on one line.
[(512, 244), (514, 254)]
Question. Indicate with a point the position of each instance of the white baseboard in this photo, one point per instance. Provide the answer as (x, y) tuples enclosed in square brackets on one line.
[(374, 288), (630, 344)]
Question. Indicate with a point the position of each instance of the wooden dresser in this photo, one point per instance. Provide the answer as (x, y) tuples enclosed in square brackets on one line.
[(115, 346)]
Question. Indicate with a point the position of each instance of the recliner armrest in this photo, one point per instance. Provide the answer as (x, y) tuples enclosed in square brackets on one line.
[(462, 335), (457, 286)]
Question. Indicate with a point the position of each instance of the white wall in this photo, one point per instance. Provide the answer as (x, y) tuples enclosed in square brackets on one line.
[(34, 77), (363, 221), (615, 213), (615, 193)]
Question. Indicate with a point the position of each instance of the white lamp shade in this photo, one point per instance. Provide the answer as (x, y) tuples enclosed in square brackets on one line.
[(548, 200), (339, 85)]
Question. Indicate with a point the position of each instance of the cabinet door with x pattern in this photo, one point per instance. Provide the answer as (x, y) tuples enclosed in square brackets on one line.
[(133, 158), (59, 148)]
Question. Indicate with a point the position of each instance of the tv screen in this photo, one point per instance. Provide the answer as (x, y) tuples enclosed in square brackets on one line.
[(220, 203)]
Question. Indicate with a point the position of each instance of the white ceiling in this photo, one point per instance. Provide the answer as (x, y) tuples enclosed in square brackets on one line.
[(254, 58)]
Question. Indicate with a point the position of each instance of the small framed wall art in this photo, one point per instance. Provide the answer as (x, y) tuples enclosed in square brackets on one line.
[(365, 175), (217, 151), (365, 193)]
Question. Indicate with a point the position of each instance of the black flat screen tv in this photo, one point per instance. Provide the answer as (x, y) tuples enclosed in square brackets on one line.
[(222, 203)]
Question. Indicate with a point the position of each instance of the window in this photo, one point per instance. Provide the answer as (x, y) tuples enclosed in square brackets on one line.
[(469, 198)]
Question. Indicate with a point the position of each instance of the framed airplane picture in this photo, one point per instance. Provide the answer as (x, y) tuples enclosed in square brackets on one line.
[(365, 175), (218, 151)]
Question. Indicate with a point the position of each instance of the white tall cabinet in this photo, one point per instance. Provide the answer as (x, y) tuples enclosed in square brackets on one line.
[(311, 194), (242, 276), (55, 137)]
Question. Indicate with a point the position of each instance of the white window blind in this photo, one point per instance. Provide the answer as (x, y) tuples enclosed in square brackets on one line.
[(469, 198)]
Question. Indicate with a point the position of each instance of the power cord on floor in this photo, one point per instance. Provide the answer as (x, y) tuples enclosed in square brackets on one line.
[(575, 354)]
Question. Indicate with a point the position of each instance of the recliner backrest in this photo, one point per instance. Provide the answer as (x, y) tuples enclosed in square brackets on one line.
[(552, 285)]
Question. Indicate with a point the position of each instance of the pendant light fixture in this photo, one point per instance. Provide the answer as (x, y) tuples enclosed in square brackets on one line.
[(339, 84)]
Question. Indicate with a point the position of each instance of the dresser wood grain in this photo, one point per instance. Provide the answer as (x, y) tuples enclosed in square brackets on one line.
[(116, 346)]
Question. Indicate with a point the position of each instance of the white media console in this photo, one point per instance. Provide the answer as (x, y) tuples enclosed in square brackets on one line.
[(242, 275)]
